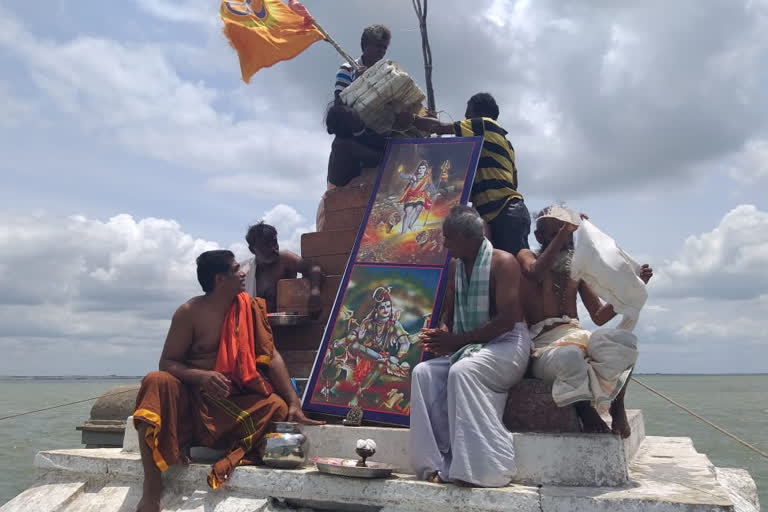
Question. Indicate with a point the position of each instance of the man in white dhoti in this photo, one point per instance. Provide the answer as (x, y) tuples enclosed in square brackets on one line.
[(482, 344), (587, 370)]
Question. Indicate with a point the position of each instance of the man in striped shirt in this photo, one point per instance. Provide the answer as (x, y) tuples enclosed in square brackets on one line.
[(494, 192), (374, 43)]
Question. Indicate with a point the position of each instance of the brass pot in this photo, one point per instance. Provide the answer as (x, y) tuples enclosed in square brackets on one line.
[(285, 448)]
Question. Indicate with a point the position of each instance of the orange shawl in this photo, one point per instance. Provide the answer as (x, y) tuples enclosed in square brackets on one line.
[(246, 341)]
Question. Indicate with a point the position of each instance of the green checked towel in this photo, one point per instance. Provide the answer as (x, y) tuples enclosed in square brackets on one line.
[(471, 305)]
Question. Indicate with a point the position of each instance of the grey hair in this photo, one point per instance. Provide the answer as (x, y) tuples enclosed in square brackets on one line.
[(464, 220)]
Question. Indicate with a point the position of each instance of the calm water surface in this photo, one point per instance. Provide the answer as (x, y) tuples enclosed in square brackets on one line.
[(737, 403)]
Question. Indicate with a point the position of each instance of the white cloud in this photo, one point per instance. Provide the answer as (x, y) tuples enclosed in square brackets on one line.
[(750, 165), (76, 281), (133, 95), (728, 262)]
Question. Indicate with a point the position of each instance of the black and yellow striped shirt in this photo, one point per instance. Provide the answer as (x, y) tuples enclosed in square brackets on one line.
[(496, 178)]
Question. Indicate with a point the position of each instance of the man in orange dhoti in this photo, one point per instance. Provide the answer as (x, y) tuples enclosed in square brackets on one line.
[(221, 382)]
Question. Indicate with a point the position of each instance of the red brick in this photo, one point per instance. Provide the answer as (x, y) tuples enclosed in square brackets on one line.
[(349, 218), (326, 243), (353, 196), (292, 294), (332, 265)]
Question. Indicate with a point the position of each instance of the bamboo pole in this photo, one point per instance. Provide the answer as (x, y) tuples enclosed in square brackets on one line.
[(336, 46), (420, 6)]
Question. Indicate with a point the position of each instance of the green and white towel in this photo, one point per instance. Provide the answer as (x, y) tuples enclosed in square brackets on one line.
[(471, 307)]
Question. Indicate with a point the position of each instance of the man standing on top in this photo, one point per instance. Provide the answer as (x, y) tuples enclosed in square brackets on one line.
[(374, 43), (584, 367), (494, 192), (457, 434), (269, 265)]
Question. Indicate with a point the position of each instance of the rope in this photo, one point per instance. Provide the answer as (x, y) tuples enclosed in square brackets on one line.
[(64, 405), (722, 430)]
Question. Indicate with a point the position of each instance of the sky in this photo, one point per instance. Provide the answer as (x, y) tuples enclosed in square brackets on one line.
[(129, 145)]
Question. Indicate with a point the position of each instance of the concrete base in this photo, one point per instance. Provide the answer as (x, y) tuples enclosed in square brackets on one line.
[(666, 476), (585, 460)]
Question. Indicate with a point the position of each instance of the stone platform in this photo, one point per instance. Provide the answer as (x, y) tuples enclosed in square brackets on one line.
[(574, 459), (667, 475)]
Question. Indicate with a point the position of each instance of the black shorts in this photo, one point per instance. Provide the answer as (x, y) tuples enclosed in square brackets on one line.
[(511, 227)]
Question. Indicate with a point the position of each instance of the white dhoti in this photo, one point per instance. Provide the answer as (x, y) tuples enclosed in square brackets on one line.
[(456, 412), (582, 366)]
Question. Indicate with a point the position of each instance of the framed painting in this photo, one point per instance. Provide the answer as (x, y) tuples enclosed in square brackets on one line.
[(393, 283)]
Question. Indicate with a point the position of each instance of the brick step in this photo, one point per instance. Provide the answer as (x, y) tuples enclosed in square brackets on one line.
[(292, 294), (327, 243), (299, 337), (299, 362), (348, 218), (333, 264), (352, 196)]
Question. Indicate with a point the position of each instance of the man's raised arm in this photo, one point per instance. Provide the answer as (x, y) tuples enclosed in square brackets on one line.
[(537, 267)]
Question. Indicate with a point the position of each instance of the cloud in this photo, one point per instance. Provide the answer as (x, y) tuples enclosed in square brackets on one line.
[(81, 281), (132, 95), (727, 262), (750, 165)]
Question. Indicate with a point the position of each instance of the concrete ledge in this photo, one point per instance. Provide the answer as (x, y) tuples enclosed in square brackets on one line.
[(668, 475), (542, 459)]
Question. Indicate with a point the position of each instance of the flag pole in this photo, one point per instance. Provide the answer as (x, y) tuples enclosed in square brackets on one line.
[(332, 42)]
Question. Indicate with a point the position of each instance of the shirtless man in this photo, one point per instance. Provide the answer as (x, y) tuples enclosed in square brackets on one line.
[(269, 265), (181, 403), (550, 310), (457, 434)]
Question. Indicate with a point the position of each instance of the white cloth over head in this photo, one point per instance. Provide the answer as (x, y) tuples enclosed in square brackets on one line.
[(610, 272)]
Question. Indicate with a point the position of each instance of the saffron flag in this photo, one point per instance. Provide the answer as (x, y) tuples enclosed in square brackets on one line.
[(264, 32)]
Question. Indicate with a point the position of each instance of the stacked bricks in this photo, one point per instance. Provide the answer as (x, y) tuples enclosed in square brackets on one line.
[(330, 248)]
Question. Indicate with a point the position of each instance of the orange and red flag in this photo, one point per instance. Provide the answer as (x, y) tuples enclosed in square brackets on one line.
[(264, 32)]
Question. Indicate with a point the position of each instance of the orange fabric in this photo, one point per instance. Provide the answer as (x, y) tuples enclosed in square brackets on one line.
[(264, 32), (179, 416), (418, 192), (246, 340)]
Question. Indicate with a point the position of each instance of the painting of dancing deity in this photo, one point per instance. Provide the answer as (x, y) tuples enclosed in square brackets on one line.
[(393, 283), (420, 182), (374, 341)]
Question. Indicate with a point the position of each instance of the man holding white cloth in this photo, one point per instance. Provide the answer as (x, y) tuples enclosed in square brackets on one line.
[(587, 370), (457, 402)]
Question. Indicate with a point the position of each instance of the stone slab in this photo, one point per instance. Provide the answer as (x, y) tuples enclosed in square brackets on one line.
[(339, 441), (187, 485), (45, 496), (666, 475), (324, 243), (741, 488), (348, 218), (530, 408)]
